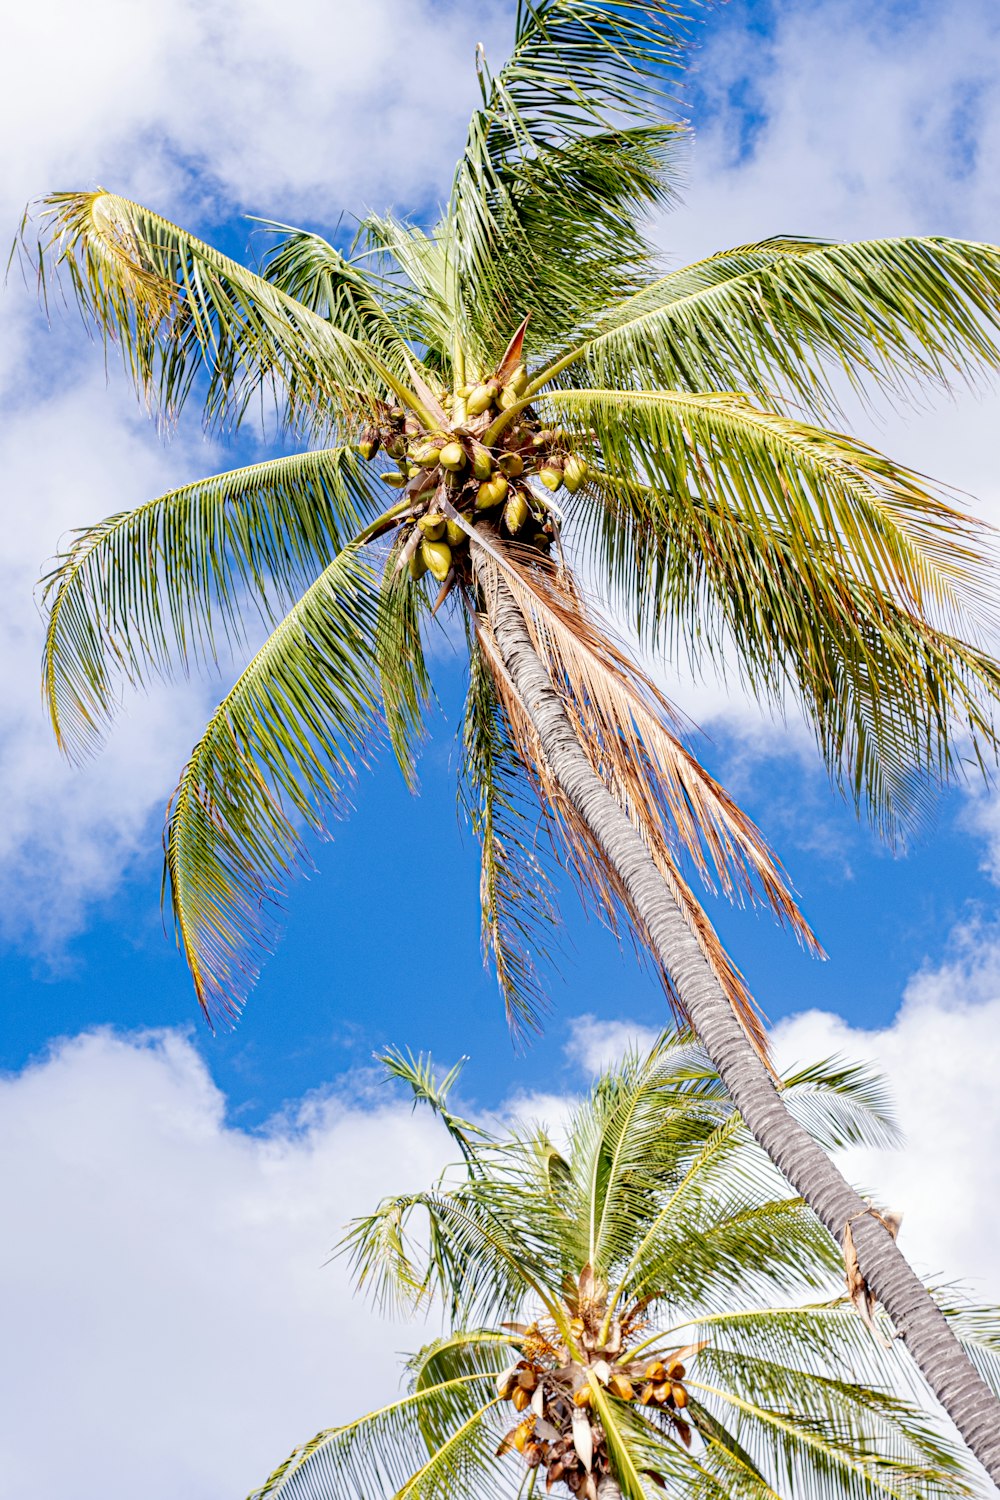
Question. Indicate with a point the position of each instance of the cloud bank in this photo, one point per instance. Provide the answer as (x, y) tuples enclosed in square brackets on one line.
[(163, 1273)]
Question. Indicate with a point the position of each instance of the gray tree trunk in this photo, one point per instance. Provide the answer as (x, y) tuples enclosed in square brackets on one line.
[(952, 1377)]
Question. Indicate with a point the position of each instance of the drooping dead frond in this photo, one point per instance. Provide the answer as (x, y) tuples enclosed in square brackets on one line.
[(627, 729)]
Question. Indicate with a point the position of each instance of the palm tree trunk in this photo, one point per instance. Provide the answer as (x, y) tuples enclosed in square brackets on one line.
[(952, 1377)]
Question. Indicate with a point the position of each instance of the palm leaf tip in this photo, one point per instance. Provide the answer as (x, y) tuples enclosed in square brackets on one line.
[(278, 757)]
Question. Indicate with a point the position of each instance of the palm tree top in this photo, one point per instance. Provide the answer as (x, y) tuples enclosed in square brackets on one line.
[(634, 1305), (561, 418)]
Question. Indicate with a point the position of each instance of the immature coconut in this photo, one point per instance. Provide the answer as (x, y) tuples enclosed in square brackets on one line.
[(481, 398), (452, 456), (492, 492), (437, 556), (455, 534), (551, 474), (417, 565), (482, 462), (512, 464), (516, 512), (427, 455), (432, 526), (394, 480), (575, 473), (369, 444)]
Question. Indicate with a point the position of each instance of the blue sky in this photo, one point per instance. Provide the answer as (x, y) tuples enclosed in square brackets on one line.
[(359, 965), (245, 1150)]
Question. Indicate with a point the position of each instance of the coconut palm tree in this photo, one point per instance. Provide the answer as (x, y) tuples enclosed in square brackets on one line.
[(637, 1307), (561, 423)]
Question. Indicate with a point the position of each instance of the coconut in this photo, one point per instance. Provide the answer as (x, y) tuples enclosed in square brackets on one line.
[(482, 462), (516, 512), (492, 492), (452, 456), (437, 556), (481, 398), (575, 472)]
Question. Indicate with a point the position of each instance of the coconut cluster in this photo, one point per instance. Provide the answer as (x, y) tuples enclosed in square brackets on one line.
[(552, 1387), (469, 470)]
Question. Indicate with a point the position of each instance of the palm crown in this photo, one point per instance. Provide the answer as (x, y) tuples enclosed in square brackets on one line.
[(629, 1309), (541, 391)]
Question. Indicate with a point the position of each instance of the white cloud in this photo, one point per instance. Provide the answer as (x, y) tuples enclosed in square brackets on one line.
[(941, 1055), (163, 1276), (941, 1058), (200, 110)]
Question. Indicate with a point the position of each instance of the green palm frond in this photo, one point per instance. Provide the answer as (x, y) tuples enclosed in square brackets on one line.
[(384, 1452), (378, 311), (516, 891), (822, 1433), (792, 315), (402, 667), (842, 1104), (178, 308), (423, 264), (160, 586), (821, 489), (894, 700), (430, 1089), (832, 571), (283, 745), (543, 146)]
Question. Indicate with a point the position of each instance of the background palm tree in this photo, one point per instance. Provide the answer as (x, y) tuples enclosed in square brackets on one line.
[(542, 390), (633, 1308)]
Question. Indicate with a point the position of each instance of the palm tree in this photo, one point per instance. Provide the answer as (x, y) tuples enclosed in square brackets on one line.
[(635, 1307), (538, 391)]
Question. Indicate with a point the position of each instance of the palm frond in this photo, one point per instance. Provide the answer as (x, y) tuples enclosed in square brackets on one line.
[(816, 1433), (179, 308), (895, 701), (158, 587), (516, 891), (625, 727), (822, 489), (283, 745), (379, 311), (431, 1089), (793, 316), (402, 668), (384, 1451), (421, 261), (842, 1104), (553, 160)]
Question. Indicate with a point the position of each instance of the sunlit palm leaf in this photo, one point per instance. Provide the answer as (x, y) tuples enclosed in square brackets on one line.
[(516, 892), (384, 1452), (822, 489), (160, 586), (379, 311), (894, 700), (792, 315), (578, 69), (177, 308), (279, 750), (399, 653)]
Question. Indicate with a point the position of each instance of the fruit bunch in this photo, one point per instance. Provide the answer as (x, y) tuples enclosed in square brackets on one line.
[(552, 1386), (473, 454)]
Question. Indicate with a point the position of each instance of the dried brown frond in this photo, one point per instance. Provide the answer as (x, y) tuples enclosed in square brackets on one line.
[(627, 730)]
